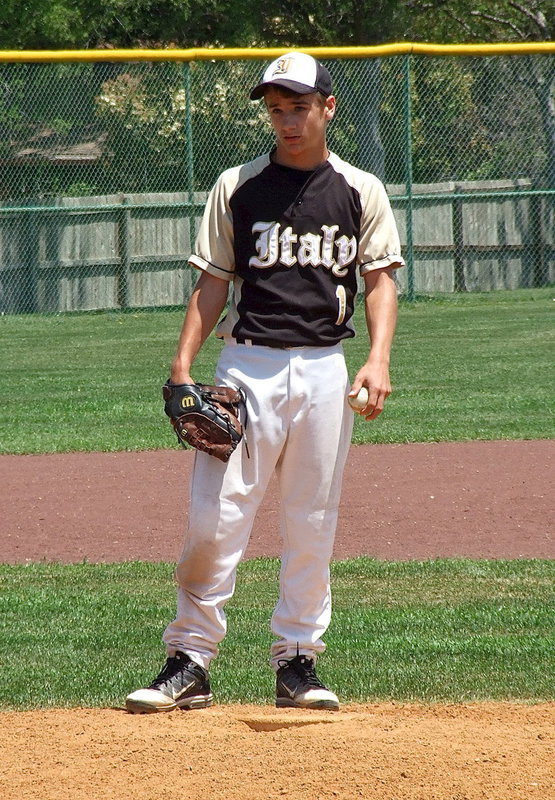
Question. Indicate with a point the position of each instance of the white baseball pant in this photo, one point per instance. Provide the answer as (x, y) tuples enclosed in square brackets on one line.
[(300, 425)]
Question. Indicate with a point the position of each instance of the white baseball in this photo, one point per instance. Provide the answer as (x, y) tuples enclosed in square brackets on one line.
[(359, 401)]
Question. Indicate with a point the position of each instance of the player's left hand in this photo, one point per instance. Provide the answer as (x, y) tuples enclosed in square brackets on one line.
[(374, 375), (205, 417)]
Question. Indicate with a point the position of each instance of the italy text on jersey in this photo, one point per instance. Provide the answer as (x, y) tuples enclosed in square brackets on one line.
[(276, 243)]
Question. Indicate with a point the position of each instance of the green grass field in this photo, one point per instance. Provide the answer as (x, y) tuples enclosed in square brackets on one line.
[(445, 630), (464, 367)]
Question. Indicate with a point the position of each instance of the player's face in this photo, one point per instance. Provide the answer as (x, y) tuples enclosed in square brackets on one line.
[(299, 122)]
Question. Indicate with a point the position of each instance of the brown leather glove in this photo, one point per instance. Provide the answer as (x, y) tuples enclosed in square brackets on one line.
[(205, 417)]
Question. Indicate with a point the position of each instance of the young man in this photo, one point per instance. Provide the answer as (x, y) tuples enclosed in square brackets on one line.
[(290, 230)]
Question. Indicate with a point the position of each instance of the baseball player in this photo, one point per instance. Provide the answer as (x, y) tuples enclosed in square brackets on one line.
[(290, 230)]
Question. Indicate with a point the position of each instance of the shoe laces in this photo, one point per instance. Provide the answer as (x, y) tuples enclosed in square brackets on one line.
[(304, 667), (171, 668)]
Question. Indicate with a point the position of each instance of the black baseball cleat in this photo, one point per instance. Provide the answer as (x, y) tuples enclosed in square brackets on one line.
[(298, 686), (180, 684)]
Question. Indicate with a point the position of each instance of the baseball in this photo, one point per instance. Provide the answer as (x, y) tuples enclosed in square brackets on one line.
[(359, 401)]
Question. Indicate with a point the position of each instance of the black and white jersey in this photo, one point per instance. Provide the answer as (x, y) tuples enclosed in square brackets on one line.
[(292, 242)]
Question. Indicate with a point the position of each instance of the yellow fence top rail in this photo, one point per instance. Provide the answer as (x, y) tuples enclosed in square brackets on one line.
[(212, 54)]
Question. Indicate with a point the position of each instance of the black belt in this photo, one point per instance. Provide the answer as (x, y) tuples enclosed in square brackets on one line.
[(265, 343)]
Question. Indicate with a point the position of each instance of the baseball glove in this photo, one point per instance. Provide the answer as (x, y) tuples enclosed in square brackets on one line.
[(205, 417)]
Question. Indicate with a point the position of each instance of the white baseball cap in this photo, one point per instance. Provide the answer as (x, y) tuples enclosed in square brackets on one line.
[(296, 71)]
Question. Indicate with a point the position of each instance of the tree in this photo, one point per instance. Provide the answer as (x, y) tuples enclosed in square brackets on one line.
[(143, 111), (41, 24), (356, 131), (359, 128), (55, 24), (190, 23), (502, 21), (483, 20)]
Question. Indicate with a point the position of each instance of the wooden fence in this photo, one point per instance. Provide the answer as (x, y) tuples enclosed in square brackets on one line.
[(477, 235), (130, 251)]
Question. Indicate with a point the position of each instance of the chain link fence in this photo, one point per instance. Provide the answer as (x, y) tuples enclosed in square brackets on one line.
[(105, 168)]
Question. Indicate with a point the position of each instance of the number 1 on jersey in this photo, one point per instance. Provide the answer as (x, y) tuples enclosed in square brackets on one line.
[(341, 303)]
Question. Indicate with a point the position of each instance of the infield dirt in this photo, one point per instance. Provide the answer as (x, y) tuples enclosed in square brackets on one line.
[(412, 501), (392, 752), (475, 500)]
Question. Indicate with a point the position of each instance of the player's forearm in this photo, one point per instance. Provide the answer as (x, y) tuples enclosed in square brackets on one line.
[(203, 312), (381, 314), (381, 318)]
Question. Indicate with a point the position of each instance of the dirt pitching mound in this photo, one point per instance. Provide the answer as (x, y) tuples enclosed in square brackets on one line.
[(498, 751)]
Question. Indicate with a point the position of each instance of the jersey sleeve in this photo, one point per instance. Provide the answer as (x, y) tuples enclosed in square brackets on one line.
[(379, 244), (214, 250)]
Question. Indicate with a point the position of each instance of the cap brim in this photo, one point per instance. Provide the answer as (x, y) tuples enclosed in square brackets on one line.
[(299, 88)]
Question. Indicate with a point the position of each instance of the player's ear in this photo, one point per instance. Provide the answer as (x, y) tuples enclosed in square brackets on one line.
[(329, 107)]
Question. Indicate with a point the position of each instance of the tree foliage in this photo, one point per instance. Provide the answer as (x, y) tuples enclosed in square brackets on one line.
[(504, 20), (483, 20), (40, 24), (44, 24), (459, 128)]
